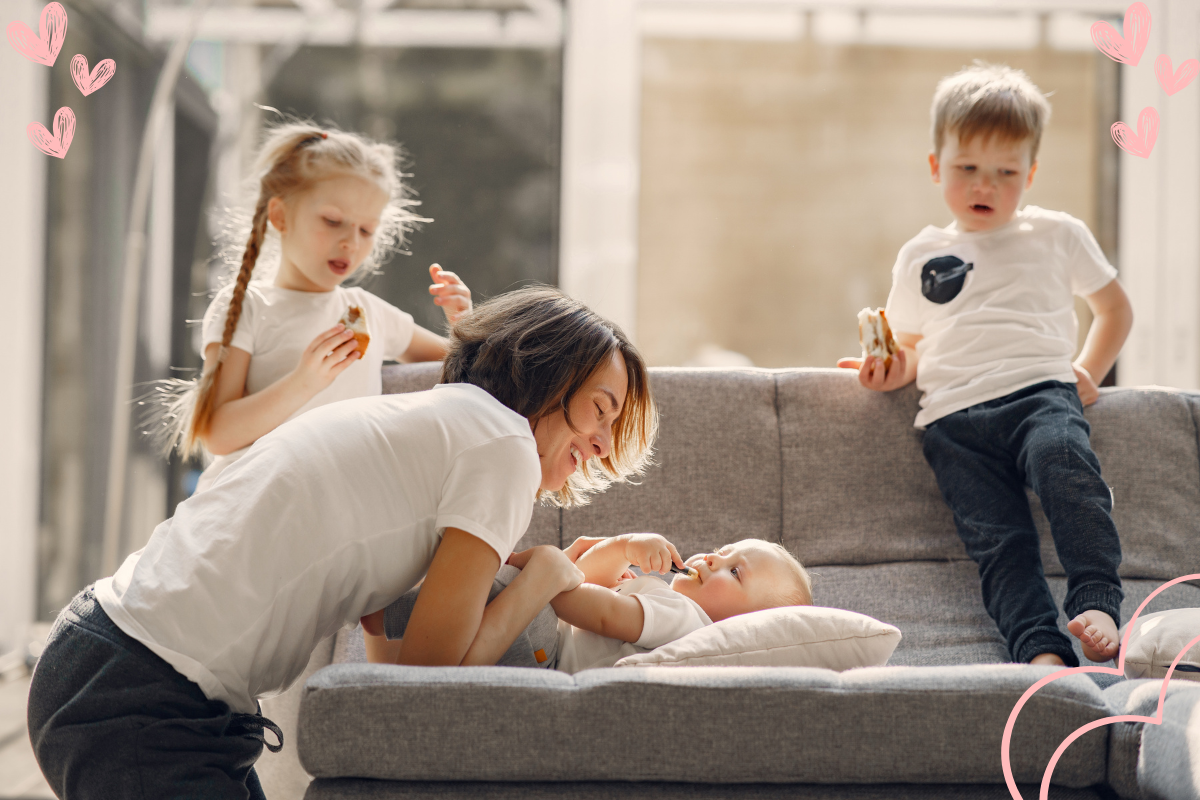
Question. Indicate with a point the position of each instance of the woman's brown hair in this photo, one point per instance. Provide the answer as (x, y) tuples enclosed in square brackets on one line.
[(533, 349), (293, 157)]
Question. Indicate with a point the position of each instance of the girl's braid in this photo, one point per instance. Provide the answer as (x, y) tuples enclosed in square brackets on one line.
[(258, 231)]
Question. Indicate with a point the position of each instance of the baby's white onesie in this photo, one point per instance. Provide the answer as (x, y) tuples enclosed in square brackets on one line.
[(277, 324), (669, 615)]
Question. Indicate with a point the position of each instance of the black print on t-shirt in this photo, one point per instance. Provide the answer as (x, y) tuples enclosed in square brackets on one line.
[(942, 278)]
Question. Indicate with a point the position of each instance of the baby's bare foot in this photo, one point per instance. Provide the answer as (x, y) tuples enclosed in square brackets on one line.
[(1098, 633), (1047, 659)]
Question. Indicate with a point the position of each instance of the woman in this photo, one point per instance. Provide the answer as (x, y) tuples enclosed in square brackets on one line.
[(149, 683)]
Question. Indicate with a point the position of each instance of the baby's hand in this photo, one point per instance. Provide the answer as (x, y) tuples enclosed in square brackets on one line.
[(450, 293), (650, 552), (874, 375)]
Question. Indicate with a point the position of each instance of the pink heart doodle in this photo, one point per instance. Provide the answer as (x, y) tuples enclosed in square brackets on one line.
[(1127, 49), (99, 76), (64, 131), (1141, 143), (43, 48), (1062, 673), (1173, 81)]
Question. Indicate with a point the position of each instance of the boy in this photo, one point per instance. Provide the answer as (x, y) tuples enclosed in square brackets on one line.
[(613, 613), (984, 316)]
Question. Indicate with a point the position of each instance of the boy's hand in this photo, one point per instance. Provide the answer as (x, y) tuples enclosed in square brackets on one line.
[(873, 375), (650, 552), (450, 293), (1089, 392)]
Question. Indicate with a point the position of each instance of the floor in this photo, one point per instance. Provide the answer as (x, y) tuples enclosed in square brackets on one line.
[(19, 773)]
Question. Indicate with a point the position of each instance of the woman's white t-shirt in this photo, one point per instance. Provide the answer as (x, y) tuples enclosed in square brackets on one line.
[(327, 518), (668, 615), (277, 324), (996, 308)]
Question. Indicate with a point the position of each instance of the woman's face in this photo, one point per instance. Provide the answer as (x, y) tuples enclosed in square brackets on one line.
[(594, 409)]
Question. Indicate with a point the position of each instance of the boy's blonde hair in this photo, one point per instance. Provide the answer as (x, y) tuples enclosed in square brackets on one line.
[(294, 156), (799, 592), (989, 100)]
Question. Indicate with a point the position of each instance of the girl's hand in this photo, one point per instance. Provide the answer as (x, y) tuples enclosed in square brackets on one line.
[(450, 293), (650, 552), (326, 357)]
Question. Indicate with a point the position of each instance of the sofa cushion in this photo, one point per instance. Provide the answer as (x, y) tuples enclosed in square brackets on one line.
[(704, 724), (401, 378), (717, 474), (357, 789), (1166, 751), (1158, 639), (857, 488), (1145, 439)]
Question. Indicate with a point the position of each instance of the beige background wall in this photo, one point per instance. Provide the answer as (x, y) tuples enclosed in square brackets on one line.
[(778, 181)]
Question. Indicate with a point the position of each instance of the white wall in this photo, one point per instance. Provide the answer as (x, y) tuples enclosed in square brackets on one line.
[(22, 229), (1159, 240), (601, 78)]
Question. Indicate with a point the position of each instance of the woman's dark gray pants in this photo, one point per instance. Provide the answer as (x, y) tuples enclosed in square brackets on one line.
[(984, 457), (108, 718)]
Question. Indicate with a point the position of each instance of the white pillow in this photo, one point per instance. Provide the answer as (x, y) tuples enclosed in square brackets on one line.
[(792, 636), (1158, 638)]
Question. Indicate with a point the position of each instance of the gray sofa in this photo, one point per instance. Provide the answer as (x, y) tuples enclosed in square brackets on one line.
[(834, 472)]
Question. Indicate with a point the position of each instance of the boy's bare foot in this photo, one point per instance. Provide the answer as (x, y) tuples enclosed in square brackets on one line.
[(1098, 633), (1048, 659)]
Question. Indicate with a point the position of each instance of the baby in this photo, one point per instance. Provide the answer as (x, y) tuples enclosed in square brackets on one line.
[(614, 613)]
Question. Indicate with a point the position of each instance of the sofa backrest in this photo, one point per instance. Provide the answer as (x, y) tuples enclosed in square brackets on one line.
[(834, 472)]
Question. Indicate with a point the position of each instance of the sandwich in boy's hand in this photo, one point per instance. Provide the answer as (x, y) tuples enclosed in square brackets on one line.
[(356, 321), (876, 335)]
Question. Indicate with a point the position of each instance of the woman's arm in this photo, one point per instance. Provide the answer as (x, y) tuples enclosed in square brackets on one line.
[(239, 419), (447, 615), (601, 610)]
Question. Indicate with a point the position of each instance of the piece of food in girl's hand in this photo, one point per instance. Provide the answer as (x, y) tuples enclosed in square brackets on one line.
[(876, 335), (355, 321)]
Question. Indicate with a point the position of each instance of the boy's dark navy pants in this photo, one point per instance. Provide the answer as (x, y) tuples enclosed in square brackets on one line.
[(108, 718), (984, 457)]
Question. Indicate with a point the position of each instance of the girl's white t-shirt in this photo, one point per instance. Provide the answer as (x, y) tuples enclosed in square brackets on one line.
[(327, 518), (996, 308), (277, 324), (668, 615)]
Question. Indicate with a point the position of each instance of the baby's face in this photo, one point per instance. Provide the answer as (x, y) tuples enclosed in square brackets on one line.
[(736, 579), (983, 180)]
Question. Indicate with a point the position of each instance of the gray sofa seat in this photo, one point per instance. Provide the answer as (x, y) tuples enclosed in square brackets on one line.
[(834, 472), (696, 724)]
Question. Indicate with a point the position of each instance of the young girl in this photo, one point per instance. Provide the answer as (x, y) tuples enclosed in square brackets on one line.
[(274, 349), (149, 682)]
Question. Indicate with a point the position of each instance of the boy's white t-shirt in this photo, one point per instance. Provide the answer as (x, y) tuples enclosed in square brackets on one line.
[(275, 327), (669, 615), (327, 518), (1002, 315)]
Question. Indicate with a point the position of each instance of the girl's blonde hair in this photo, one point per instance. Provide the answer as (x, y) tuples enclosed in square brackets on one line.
[(294, 156)]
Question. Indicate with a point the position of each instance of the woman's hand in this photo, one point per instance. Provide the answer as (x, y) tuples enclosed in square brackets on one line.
[(326, 357), (450, 293), (551, 565), (650, 552)]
